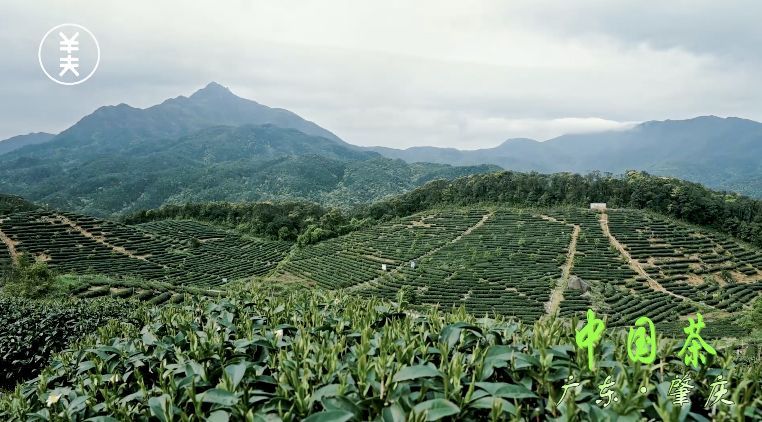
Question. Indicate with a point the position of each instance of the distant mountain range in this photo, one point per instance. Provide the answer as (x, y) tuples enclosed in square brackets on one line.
[(210, 146), (723, 153), (215, 145)]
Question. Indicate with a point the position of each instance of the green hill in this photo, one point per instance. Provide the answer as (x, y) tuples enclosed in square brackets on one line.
[(730, 213), (211, 146), (520, 262)]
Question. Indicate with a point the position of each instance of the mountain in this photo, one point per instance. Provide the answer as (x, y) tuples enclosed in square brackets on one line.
[(20, 141), (211, 146), (722, 153), (110, 128)]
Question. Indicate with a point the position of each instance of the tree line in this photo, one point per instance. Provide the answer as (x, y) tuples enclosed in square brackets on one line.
[(301, 222), (307, 223), (726, 212)]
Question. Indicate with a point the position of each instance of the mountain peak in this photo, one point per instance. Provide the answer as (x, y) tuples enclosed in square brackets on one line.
[(212, 89)]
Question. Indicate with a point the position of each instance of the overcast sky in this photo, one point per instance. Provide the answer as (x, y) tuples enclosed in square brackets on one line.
[(465, 74)]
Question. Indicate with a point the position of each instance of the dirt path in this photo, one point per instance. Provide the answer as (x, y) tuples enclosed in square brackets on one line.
[(632, 262), (100, 239), (11, 245), (557, 295), (466, 232)]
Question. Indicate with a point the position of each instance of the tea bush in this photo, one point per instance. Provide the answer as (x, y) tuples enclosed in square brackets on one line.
[(32, 330), (289, 353)]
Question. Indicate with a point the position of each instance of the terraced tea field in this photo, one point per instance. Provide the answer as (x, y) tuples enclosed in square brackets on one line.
[(688, 263), (474, 258), (177, 252), (522, 263), (623, 263)]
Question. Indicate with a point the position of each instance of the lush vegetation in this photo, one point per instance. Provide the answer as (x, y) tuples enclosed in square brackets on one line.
[(509, 261), (178, 252), (11, 203), (693, 264), (732, 214), (27, 279), (32, 330), (291, 354), (729, 213), (291, 221), (124, 174)]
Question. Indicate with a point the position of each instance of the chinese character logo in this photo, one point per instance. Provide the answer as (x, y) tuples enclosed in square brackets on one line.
[(694, 347), (643, 342), (680, 389), (69, 54), (589, 336)]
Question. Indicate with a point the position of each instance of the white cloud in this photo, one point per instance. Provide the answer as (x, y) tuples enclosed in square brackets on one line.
[(400, 73)]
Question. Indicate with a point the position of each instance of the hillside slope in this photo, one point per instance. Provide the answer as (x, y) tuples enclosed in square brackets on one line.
[(732, 214), (511, 261), (175, 252)]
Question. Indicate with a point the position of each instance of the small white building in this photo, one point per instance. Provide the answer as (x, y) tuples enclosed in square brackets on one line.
[(599, 206), (383, 267), (412, 264)]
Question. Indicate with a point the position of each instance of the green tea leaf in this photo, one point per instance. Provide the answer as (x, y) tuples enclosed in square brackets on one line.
[(218, 396), (414, 372), (330, 416), (436, 409)]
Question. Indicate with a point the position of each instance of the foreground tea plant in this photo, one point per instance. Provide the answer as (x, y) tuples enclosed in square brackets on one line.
[(289, 353), (32, 330)]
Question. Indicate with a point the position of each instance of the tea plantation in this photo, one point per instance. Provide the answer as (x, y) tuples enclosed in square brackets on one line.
[(175, 252), (515, 262), (465, 313), (288, 353)]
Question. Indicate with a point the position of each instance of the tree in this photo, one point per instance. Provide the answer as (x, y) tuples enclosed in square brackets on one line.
[(28, 279), (753, 318), (408, 295)]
